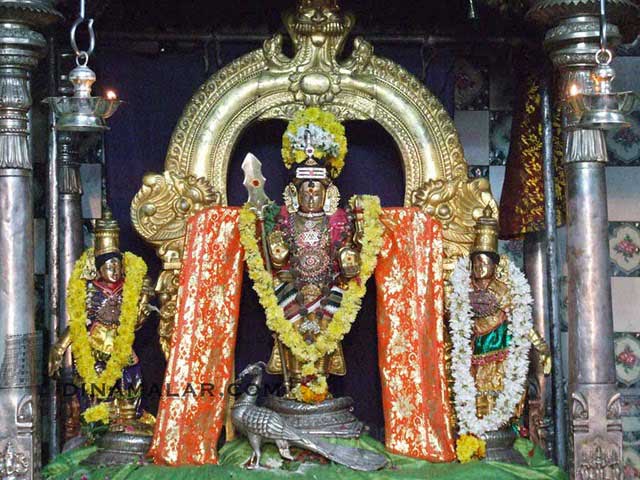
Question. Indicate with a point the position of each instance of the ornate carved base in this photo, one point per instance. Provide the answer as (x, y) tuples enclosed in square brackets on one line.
[(500, 446), (119, 448), (331, 418)]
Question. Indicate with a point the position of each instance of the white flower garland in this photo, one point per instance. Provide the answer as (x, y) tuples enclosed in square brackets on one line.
[(320, 139), (516, 364)]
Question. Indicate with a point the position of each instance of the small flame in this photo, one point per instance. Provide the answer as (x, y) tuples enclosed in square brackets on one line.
[(574, 90), (111, 95)]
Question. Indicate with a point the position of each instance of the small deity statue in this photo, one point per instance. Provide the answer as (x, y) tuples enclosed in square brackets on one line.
[(490, 302), (108, 299), (313, 250), (492, 306)]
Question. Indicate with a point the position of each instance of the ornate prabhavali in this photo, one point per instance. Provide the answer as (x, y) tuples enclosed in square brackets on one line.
[(267, 84)]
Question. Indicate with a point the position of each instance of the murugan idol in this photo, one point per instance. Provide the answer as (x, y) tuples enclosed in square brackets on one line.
[(318, 256), (108, 300)]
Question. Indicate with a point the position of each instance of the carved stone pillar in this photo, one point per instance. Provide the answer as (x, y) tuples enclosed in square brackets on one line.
[(594, 404), (20, 347)]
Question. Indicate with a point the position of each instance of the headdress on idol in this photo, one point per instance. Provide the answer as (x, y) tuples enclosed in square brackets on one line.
[(107, 239), (486, 236), (314, 145)]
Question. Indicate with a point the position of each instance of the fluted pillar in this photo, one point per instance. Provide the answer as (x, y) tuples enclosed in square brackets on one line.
[(594, 405), (20, 347), (71, 244)]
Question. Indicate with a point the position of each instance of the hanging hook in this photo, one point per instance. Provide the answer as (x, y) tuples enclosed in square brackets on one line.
[(604, 55), (82, 56), (92, 36), (603, 25)]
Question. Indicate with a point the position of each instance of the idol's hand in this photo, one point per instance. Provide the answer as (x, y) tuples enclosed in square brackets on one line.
[(278, 249), (544, 355), (349, 260), (56, 355), (545, 363), (55, 361)]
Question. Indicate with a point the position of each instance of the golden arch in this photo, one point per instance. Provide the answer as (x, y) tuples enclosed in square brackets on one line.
[(267, 84)]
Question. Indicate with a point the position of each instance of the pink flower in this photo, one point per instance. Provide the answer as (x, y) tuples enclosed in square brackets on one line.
[(627, 358)]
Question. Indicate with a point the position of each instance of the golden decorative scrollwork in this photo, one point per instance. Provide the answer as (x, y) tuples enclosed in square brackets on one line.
[(159, 213), (457, 203), (266, 84)]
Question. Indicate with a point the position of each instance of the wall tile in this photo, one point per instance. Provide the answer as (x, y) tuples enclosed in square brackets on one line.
[(627, 69), (631, 462), (625, 293), (627, 355), (496, 179), (630, 399), (623, 193), (499, 137), (513, 250), (473, 129), (91, 175), (624, 248), (623, 144), (472, 85), (501, 87)]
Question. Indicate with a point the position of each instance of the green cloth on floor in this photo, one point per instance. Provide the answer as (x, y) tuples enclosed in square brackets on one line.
[(234, 454)]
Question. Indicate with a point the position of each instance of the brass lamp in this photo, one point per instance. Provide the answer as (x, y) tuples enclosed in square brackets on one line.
[(82, 112)]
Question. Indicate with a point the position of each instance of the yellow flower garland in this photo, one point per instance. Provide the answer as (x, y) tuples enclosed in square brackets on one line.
[(135, 270), (343, 318), (97, 413)]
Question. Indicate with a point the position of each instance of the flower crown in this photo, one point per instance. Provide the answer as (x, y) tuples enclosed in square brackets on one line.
[(326, 135)]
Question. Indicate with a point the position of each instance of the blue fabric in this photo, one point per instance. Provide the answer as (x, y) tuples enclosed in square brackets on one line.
[(156, 90)]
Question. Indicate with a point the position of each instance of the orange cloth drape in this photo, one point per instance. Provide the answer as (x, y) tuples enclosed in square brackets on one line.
[(411, 347), (410, 339), (189, 424)]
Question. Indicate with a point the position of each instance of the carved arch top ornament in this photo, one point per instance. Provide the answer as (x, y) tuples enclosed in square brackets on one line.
[(267, 84)]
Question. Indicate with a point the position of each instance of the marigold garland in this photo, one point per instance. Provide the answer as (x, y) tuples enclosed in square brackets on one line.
[(135, 270), (97, 413), (343, 318), (315, 118)]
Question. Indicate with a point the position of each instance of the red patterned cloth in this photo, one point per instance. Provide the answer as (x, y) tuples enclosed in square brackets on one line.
[(410, 339), (411, 342), (202, 348)]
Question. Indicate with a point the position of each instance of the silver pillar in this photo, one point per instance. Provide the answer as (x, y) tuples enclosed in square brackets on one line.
[(20, 346), (70, 211), (535, 266), (594, 405), (554, 332), (70, 245)]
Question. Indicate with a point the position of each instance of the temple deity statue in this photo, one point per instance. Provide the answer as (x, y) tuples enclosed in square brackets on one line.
[(313, 250), (490, 302), (108, 299), (492, 333)]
